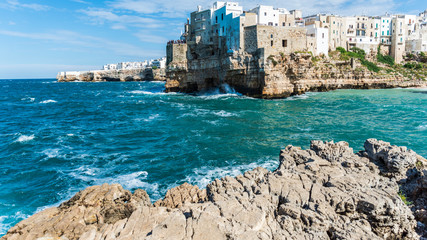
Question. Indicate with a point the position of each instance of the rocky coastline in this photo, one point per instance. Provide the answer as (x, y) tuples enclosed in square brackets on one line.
[(325, 192), (125, 75), (280, 76)]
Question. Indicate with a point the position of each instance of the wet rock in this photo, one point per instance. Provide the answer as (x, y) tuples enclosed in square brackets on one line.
[(326, 192)]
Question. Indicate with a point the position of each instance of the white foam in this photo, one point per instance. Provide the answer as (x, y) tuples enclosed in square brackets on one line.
[(305, 129), (30, 99), (223, 113), (422, 127), (25, 138), (4, 227), (51, 153), (128, 181), (48, 101), (204, 175), (152, 117), (151, 93)]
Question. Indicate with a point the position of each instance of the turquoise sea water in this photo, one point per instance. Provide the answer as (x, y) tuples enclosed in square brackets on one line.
[(58, 138)]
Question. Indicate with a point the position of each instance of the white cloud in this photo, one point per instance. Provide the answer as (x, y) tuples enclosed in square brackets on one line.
[(148, 36), (75, 39), (102, 16), (12, 23), (15, 4), (81, 1), (182, 8)]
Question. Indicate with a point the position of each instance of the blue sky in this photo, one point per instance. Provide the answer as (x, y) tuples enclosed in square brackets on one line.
[(40, 38)]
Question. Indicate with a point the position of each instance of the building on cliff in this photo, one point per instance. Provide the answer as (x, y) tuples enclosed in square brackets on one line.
[(271, 52)]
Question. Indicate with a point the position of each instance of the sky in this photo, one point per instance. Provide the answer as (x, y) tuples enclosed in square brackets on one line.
[(40, 38)]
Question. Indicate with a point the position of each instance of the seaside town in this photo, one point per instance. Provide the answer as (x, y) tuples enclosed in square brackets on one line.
[(270, 52), (259, 123), (288, 31)]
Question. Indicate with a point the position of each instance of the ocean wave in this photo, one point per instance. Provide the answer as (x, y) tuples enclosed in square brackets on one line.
[(128, 181), (25, 138), (48, 101), (29, 99), (422, 127), (223, 113), (305, 129), (151, 93), (204, 175), (6, 222), (52, 153)]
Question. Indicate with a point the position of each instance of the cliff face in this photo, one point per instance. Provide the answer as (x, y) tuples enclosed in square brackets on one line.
[(147, 74), (278, 76), (326, 192)]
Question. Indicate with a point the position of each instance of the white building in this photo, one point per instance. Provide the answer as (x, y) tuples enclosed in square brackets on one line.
[(110, 67), (158, 63), (268, 15), (321, 39)]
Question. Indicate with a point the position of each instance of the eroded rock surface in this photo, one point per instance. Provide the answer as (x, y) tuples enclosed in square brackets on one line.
[(326, 192)]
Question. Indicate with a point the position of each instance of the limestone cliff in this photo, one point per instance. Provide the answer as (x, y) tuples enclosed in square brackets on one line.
[(276, 76), (146, 74), (326, 192)]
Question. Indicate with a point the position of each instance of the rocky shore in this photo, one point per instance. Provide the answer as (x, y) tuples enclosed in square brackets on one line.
[(144, 74), (280, 76), (326, 192)]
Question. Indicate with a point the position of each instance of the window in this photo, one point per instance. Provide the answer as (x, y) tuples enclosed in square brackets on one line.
[(271, 35), (376, 34), (277, 24), (265, 14), (222, 16), (223, 32), (388, 32), (323, 35), (382, 33), (334, 22), (376, 26), (216, 19), (284, 24), (284, 43), (387, 21), (271, 43), (383, 20), (289, 24)]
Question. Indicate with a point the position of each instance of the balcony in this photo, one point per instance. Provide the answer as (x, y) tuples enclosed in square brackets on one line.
[(199, 19)]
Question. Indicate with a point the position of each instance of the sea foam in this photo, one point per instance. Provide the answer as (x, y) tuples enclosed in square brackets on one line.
[(48, 101), (25, 138)]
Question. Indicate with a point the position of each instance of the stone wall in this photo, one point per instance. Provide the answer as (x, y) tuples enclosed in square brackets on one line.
[(176, 52), (275, 40)]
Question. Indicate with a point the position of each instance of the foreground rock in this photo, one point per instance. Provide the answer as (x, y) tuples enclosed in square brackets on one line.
[(327, 192)]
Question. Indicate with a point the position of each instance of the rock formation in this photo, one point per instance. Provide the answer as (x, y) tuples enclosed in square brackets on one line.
[(276, 76), (145, 74), (326, 192)]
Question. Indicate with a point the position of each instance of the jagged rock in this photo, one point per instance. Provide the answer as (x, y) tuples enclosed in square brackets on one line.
[(274, 76), (180, 195), (396, 159), (325, 192)]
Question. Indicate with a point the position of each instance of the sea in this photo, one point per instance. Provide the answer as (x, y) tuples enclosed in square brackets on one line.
[(59, 138)]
